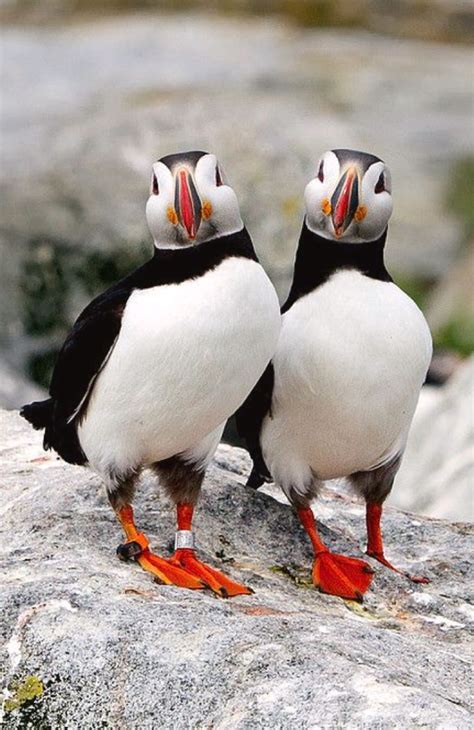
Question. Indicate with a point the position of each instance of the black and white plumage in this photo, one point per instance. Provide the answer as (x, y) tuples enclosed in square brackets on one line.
[(340, 392), (155, 365)]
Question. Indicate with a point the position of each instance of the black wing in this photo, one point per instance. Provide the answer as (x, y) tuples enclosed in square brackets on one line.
[(80, 360), (249, 419), (86, 350)]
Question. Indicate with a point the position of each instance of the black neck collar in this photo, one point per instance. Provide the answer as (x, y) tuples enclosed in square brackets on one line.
[(318, 258), (174, 265), (234, 244)]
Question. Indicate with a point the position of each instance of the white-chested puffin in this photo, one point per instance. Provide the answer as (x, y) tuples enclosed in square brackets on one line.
[(338, 398), (155, 365)]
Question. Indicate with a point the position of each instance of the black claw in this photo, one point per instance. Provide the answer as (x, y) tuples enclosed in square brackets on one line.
[(129, 550)]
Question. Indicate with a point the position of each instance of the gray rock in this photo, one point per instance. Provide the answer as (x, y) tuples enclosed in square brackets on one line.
[(15, 389), (436, 476), (94, 643)]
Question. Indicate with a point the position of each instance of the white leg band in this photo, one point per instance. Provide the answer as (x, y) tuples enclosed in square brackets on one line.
[(183, 539)]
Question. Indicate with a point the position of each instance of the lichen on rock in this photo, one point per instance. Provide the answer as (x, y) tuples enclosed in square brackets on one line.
[(23, 693)]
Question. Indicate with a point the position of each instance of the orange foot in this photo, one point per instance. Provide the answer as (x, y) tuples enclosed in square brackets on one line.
[(160, 568), (341, 576), (382, 559), (185, 558)]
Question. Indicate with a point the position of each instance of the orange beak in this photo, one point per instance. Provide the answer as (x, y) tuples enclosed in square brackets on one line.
[(187, 203), (345, 201)]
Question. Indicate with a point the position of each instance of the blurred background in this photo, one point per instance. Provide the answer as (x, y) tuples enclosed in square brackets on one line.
[(90, 97)]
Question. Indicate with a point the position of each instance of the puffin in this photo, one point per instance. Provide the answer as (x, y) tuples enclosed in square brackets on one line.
[(338, 397), (155, 365)]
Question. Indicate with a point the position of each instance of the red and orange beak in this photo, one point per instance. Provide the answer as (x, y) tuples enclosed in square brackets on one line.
[(187, 203), (345, 201)]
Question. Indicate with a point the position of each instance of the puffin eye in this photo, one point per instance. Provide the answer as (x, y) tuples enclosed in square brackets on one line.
[(219, 181), (154, 185), (380, 187), (320, 174)]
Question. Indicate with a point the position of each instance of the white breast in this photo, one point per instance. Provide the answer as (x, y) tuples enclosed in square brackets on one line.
[(186, 358), (350, 362)]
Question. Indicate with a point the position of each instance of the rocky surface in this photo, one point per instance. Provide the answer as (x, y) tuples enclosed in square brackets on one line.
[(91, 642), (437, 473)]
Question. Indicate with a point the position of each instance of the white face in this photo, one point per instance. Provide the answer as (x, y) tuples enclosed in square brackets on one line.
[(190, 203), (349, 201)]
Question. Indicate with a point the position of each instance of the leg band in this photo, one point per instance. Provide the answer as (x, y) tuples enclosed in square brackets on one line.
[(183, 539)]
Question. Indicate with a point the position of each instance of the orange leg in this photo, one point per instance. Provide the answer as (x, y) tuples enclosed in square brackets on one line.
[(333, 573), (137, 547), (375, 541), (185, 557)]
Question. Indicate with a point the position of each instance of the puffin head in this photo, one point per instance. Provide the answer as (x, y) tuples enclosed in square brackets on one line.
[(190, 201), (350, 197)]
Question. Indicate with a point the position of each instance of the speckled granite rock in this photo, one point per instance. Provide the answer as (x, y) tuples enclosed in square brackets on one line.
[(93, 643)]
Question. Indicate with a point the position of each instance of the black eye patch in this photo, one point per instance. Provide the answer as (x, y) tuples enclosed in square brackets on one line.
[(380, 186), (154, 185), (320, 174), (219, 181)]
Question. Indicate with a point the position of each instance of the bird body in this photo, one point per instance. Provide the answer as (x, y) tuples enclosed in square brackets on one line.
[(350, 361), (154, 366), (180, 365), (340, 392)]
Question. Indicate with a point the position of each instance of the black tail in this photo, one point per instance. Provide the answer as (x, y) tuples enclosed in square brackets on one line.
[(39, 413), (59, 434)]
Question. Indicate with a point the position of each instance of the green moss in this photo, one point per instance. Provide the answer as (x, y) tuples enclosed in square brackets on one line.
[(457, 335), (24, 693), (460, 194), (97, 270), (416, 287), (54, 278), (40, 366), (314, 13), (44, 286)]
